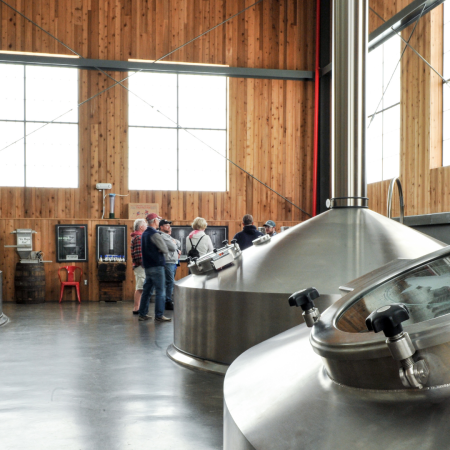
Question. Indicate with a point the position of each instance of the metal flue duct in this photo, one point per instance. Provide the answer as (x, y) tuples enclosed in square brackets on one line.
[(348, 125), (219, 315)]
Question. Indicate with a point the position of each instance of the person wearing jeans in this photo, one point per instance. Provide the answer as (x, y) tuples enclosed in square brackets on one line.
[(154, 278), (153, 250), (171, 260), (170, 271)]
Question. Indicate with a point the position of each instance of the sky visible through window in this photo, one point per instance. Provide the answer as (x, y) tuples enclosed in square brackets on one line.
[(383, 134), (171, 151), (30, 97)]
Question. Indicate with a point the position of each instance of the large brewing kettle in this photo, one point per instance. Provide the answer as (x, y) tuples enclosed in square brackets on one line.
[(221, 314), (342, 383)]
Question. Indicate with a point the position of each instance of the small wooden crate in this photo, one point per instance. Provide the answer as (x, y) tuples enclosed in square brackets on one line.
[(111, 277)]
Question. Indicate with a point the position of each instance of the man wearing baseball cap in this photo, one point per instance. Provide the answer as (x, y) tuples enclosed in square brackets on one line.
[(170, 268), (270, 228), (153, 250)]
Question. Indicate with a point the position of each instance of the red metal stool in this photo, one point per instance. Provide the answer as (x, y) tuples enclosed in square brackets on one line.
[(70, 280)]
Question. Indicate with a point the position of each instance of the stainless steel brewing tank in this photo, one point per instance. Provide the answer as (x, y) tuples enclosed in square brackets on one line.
[(221, 314), (339, 386)]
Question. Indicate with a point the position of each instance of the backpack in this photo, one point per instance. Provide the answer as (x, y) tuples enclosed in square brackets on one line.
[(193, 252)]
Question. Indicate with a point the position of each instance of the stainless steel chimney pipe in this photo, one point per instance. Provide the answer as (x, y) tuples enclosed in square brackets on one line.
[(348, 124)]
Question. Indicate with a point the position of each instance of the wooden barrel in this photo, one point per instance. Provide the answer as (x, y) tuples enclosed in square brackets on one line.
[(29, 283)]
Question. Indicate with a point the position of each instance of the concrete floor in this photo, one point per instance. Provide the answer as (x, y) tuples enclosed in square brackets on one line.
[(93, 377)]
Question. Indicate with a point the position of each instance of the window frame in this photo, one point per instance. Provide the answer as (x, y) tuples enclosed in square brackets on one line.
[(179, 128), (381, 113), (24, 121)]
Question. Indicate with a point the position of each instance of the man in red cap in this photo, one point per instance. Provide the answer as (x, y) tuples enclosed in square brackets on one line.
[(153, 250)]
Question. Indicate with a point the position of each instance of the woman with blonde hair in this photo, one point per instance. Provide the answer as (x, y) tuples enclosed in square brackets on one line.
[(198, 239)]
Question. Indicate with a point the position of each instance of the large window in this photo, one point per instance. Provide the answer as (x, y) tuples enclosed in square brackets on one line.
[(446, 89), (31, 97), (383, 133), (180, 141)]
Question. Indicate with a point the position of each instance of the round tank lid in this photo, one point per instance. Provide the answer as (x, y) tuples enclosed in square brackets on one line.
[(357, 357), (425, 290)]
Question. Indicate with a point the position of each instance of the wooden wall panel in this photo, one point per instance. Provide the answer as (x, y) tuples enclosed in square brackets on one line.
[(270, 121), (45, 240), (270, 128)]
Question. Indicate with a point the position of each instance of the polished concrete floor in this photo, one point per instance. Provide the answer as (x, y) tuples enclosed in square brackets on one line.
[(93, 377)]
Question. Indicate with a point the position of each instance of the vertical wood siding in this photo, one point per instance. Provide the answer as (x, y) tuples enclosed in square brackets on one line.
[(270, 121)]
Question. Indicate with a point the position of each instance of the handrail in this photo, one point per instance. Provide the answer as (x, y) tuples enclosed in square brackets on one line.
[(389, 199)]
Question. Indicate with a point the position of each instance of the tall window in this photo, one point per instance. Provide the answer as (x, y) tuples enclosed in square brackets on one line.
[(31, 97), (180, 141), (383, 133), (446, 90)]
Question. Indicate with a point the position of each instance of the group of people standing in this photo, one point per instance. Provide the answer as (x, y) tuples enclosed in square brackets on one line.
[(249, 231), (155, 255)]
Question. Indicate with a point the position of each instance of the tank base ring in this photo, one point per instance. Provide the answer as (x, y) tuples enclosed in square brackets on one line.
[(192, 362)]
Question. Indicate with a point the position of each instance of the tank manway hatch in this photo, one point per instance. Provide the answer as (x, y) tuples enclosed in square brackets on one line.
[(392, 331)]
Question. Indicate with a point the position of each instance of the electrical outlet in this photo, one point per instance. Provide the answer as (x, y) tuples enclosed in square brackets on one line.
[(85, 282)]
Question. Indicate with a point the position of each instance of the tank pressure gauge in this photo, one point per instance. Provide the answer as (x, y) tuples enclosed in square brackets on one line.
[(305, 299), (389, 320)]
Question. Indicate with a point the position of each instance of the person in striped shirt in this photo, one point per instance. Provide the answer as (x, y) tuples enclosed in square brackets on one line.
[(140, 225)]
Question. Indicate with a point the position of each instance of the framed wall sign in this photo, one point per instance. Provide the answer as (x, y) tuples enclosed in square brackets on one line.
[(217, 234), (71, 243), (142, 210), (111, 240)]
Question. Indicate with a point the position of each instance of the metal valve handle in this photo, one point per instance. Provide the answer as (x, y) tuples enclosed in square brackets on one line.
[(305, 299), (388, 319)]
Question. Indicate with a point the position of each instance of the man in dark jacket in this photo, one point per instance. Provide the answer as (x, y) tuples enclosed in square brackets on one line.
[(153, 250), (248, 234)]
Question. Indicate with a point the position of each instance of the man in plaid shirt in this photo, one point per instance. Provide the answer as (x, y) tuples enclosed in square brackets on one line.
[(140, 225)]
